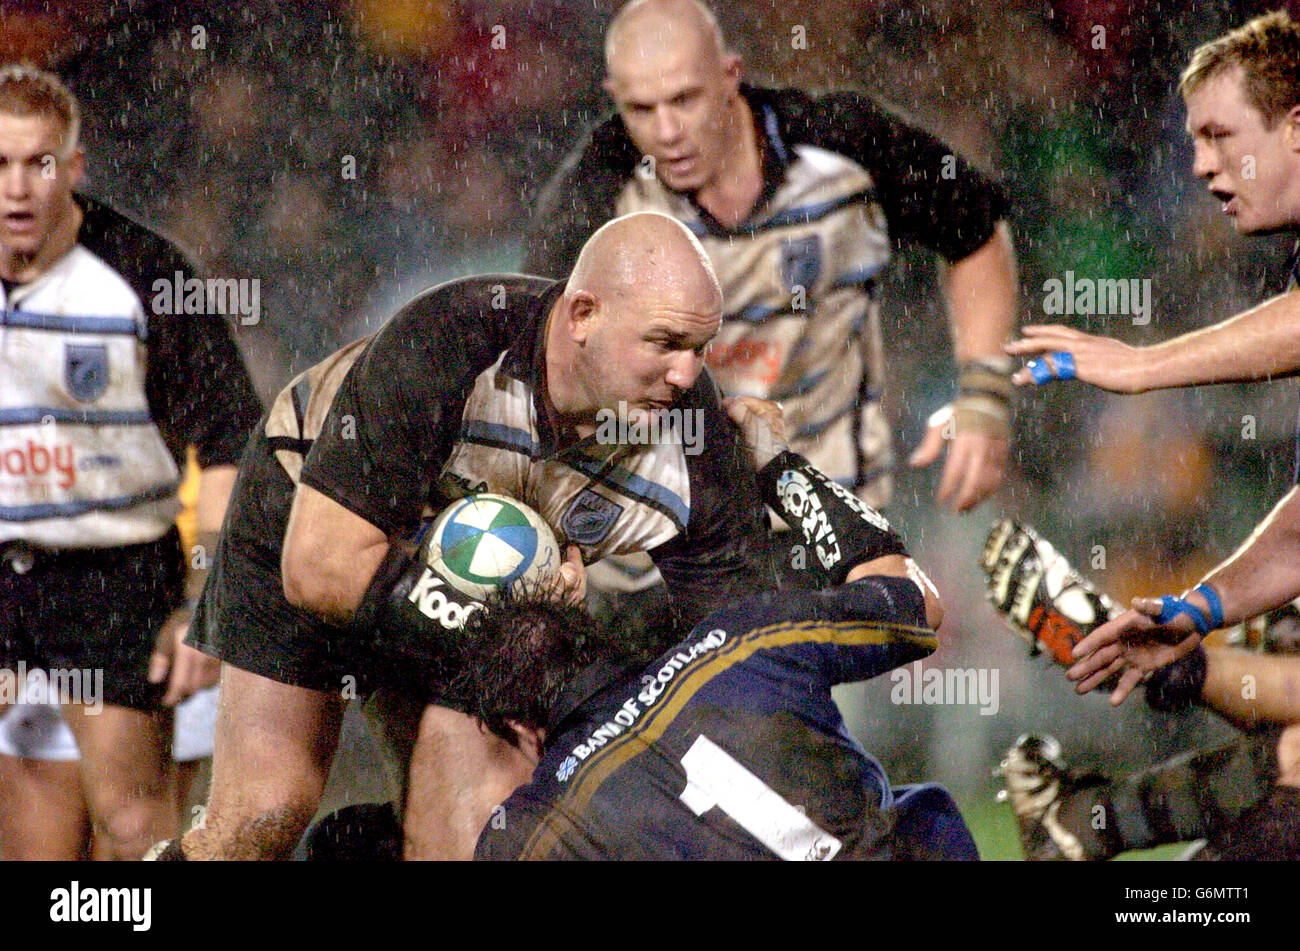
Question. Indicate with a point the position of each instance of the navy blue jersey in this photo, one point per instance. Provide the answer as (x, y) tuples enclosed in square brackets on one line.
[(730, 746)]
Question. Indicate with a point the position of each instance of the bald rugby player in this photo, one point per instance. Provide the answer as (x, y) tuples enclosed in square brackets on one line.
[(799, 200), (492, 383)]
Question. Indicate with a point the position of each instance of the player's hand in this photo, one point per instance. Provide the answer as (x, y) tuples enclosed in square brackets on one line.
[(190, 670), (571, 582), (976, 463), (1102, 361), (1132, 646), (762, 425)]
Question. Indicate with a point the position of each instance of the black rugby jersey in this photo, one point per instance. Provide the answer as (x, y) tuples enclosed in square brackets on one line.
[(445, 400), (730, 746)]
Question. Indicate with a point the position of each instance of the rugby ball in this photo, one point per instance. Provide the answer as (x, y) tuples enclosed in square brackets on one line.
[(485, 543)]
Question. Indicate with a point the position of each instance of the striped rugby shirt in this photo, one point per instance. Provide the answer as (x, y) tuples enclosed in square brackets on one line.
[(444, 400), (99, 397), (843, 182)]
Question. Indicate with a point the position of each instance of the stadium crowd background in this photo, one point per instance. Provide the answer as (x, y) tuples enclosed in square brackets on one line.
[(347, 154)]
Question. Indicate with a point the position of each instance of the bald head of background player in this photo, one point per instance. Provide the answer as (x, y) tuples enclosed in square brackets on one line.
[(631, 327), (677, 89)]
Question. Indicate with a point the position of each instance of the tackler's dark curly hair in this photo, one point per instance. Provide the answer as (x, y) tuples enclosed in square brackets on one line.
[(518, 653)]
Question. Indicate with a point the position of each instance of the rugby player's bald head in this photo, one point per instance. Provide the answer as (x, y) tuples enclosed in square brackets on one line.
[(642, 28), (647, 256), (630, 330)]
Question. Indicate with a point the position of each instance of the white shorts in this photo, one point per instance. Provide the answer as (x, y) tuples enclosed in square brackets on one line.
[(34, 730)]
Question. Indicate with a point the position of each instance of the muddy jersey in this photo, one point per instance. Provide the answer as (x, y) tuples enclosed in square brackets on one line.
[(844, 181), (99, 396), (730, 746), (445, 400)]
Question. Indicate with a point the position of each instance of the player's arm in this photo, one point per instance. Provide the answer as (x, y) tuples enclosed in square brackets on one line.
[(368, 475), (981, 295), (1259, 344), (1262, 574), (330, 556), (933, 197), (839, 539), (1249, 688)]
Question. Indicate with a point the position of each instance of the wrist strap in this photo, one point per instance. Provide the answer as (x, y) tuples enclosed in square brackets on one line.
[(1216, 605)]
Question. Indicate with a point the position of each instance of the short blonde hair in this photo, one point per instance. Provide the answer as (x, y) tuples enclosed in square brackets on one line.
[(28, 91), (1267, 49)]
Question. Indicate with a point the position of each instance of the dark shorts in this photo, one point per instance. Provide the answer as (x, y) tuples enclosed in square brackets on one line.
[(93, 615), (243, 617)]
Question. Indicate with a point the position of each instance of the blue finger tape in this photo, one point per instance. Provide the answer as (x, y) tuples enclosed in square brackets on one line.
[(1064, 361), (1041, 371)]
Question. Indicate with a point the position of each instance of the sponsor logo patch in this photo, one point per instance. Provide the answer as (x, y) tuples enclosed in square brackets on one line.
[(590, 518), (85, 371), (801, 262)]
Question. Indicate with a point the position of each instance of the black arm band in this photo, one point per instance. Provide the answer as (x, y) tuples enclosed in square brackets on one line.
[(839, 530), (1177, 686)]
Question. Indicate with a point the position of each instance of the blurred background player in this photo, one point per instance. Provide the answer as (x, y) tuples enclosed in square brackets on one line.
[(798, 200), (729, 745), (100, 398)]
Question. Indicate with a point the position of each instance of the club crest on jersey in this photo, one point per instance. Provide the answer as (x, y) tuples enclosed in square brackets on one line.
[(589, 518), (801, 262), (85, 371)]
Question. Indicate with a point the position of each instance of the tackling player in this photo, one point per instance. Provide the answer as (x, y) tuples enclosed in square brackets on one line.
[(728, 745)]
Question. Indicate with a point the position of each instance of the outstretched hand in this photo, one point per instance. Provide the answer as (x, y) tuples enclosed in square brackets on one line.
[(1132, 646), (1102, 361), (761, 424)]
